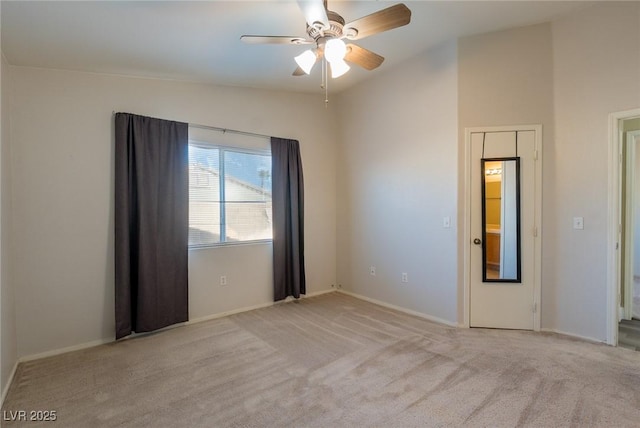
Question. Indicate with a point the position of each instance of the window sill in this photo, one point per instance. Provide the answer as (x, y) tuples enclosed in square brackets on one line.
[(230, 244)]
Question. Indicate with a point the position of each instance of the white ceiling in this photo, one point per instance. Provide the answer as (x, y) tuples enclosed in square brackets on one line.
[(200, 41)]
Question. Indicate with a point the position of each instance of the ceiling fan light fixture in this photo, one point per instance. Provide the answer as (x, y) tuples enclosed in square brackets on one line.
[(335, 50), (338, 68), (306, 60)]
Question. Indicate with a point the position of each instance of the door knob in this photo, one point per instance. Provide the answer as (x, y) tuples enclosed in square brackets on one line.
[(477, 241)]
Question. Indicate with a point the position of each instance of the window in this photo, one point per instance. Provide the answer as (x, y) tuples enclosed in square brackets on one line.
[(229, 195)]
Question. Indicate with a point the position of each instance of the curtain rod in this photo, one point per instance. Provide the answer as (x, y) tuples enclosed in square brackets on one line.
[(225, 130)]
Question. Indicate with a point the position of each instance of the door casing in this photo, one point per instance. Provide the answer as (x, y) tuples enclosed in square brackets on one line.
[(537, 216)]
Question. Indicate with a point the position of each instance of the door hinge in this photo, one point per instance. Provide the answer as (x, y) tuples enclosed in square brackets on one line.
[(535, 307), (535, 231), (535, 155)]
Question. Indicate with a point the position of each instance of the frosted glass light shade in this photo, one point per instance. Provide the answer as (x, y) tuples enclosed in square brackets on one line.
[(306, 60), (338, 68), (335, 50)]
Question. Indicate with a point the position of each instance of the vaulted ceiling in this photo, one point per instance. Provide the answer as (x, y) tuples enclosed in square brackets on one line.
[(200, 41)]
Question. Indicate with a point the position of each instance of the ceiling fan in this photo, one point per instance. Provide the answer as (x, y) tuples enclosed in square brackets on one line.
[(327, 30)]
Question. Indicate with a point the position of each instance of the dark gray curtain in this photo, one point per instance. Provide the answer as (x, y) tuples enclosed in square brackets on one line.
[(151, 223), (288, 219)]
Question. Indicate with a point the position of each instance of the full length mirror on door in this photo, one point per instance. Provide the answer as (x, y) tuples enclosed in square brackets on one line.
[(501, 219)]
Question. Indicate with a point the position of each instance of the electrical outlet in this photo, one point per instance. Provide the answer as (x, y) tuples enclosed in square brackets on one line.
[(372, 270), (223, 280), (405, 277)]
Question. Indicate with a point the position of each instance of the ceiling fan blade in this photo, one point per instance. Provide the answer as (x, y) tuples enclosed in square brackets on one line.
[(382, 20), (276, 40), (299, 72), (314, 12), (363, 57)]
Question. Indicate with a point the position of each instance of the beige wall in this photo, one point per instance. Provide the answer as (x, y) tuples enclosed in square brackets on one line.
[(8, 338), (631, 125), (493, 196), (596, 63), (505, 78), (62, 178), (397, 180)]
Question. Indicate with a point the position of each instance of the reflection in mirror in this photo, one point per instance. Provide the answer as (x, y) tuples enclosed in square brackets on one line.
[(501, 220)]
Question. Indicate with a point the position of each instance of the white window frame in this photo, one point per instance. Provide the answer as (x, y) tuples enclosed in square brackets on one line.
[(223, 225)]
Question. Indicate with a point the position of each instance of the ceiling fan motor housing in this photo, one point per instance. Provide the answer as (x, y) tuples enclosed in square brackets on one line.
[(336, 24)]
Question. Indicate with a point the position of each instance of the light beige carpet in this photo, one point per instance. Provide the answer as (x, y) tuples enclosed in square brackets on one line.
[(333, 361)]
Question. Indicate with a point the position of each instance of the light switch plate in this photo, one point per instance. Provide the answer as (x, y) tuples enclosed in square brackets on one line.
[(446, 222), (578, 223)]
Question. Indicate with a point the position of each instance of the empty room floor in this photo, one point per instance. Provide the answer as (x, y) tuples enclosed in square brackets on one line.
[(333, 360)]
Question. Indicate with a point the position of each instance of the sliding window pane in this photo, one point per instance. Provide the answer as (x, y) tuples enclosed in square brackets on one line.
[(247, 184), (204, 196)]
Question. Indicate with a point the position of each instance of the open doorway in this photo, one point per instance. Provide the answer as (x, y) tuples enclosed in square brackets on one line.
[(628, 287)]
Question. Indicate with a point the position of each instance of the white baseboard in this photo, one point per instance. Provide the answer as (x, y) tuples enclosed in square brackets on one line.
[(575, 336), (401, 309), (64, 350), (226, 314), (99, 342), (5, 388), (251, 308), (321, 292)]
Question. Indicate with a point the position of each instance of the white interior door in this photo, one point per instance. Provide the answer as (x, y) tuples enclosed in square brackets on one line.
[(503, 230)]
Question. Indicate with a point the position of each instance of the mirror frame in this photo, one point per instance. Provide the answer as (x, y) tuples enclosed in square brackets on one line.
[(518, 278)]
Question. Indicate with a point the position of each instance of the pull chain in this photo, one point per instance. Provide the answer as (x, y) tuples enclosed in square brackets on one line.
[(326, 86)]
